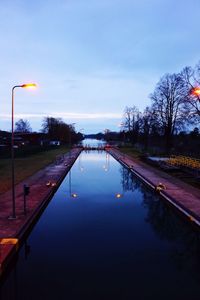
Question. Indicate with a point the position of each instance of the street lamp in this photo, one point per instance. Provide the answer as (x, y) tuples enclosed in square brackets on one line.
[(71, 127), (195, 91), (122, 126), (26, 85)]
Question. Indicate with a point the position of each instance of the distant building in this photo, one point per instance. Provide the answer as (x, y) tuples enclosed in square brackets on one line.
[(26, 139), (32, 138), (54, 143), (5, 138)]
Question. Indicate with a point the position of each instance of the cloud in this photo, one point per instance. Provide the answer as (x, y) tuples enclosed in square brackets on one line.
[(70, 115)]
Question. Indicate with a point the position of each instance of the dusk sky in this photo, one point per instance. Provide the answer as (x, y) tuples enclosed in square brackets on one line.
[(91, 58)]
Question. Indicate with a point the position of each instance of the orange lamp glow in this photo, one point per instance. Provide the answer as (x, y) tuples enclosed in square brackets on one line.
[(195, 91), (29, 85)]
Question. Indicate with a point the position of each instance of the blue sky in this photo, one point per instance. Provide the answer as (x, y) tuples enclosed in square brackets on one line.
[(91, 58)]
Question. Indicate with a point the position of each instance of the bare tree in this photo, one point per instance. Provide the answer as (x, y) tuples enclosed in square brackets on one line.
[(168, 105), (191, 78), (128, 113), (131, 123), (146, 125), (22, 126), (50, 126)]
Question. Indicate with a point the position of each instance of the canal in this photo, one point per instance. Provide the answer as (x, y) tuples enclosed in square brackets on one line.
[(105, 235)]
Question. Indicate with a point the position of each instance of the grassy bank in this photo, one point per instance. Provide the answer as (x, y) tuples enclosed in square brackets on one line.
[(132, 152), (27, 166)]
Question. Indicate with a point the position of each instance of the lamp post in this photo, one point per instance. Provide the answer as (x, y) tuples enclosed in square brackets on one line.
[(71, 127), (122, 126), (28, 85)]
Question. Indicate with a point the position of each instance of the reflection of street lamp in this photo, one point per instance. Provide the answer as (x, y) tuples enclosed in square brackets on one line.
[(119, 195), (73, 195), (28, 85), (106, 167), (80, 164)]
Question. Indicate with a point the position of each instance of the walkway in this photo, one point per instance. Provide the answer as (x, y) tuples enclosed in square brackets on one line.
[(181, 195)]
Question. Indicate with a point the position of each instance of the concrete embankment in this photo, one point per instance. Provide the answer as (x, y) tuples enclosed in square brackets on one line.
[(43, 185), (185, 198)]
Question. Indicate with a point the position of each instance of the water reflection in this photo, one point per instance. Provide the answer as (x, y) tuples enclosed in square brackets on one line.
[(72, 193), (93, 143), (91, 156), (100, 247), (106, 166), (128, 181), (184, 240), (80, 163)]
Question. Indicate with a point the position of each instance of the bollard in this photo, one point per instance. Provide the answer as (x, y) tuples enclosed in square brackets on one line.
[(26, 192)]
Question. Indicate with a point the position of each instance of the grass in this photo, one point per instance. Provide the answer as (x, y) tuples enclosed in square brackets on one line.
[(27, 166), (131, 152)]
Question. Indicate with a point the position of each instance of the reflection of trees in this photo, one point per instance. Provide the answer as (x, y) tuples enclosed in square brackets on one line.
[(159, 216), (128, 180), (184, 240)]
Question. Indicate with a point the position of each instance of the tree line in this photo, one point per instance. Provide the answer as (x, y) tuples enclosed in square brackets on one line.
[(54, 128), (175, 106)]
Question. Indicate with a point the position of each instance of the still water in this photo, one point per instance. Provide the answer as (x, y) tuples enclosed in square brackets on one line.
[(104, 235), (93, 142)]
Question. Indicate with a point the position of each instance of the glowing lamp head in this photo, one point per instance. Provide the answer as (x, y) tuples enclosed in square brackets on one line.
[(195, 91), (29, 86)]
